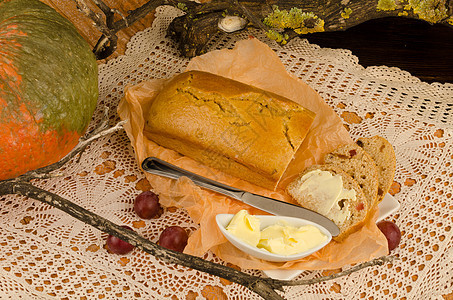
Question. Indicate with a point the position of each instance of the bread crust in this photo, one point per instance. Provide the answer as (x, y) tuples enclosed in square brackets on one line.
[(384, 156), (236, 128)]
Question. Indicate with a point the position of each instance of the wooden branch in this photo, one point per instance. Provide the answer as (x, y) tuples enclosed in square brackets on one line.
[(108, 12), (281, 20), (107, 43), (287, 19), (375, 262), (193, 42), (97, 19)]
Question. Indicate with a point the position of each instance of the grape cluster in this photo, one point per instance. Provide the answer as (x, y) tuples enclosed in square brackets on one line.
[(147, 206)]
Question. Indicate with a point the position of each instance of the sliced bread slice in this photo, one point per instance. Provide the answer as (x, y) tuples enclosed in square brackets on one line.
[(359, 165), (338, 197), (383, 155)]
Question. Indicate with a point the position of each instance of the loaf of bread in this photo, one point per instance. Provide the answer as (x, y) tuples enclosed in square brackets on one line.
[(236, 128), (359, 165), (384, 156), (341, 201)]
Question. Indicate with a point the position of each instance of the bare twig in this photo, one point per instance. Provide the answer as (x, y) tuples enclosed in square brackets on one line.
[(103, 124), (102, 133), (96, 18), (97, 130), (102, 6), (108, 12), (375, 262), (107, 43)]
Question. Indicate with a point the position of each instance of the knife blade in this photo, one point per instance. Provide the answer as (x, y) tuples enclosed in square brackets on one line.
[(281, 208), (159, 167)]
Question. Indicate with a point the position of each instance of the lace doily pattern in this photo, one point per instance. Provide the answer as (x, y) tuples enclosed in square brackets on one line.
[(47, 254)]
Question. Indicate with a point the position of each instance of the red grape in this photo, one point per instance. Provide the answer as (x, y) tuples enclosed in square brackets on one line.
[(174, 238), (147, 205), (391, 232), (117, 245)]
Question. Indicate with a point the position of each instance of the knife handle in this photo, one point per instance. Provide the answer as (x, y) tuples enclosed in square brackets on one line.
[(157, 166)]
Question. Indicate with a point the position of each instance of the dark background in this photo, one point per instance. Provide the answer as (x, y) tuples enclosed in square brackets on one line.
[(422, 49)]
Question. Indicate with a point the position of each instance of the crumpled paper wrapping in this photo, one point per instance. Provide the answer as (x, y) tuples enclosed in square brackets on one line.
[(254, 63)]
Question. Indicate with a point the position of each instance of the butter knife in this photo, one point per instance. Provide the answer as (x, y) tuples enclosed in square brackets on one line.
[(159, 167)]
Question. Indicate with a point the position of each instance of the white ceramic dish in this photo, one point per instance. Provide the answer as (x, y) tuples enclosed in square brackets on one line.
[(388, 206), (266, 220)]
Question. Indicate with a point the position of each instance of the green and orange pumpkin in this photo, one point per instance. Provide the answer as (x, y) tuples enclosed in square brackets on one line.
[(48, 86)]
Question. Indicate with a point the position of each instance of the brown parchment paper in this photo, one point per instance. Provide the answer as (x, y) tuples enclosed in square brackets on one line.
[(251, 62)]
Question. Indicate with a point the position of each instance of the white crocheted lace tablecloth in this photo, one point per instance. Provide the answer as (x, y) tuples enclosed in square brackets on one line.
[(46, 254)]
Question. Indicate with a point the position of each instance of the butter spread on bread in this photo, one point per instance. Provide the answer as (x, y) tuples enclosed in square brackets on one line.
[(328, 191), (231, 126), (344, 202)]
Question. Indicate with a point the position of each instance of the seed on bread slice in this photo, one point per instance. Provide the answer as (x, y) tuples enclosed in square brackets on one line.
[(384, 156), (359, 165), (347, 208)]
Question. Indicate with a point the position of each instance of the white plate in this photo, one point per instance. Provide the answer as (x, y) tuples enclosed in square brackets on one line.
[(267, 220), (388, 206)]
